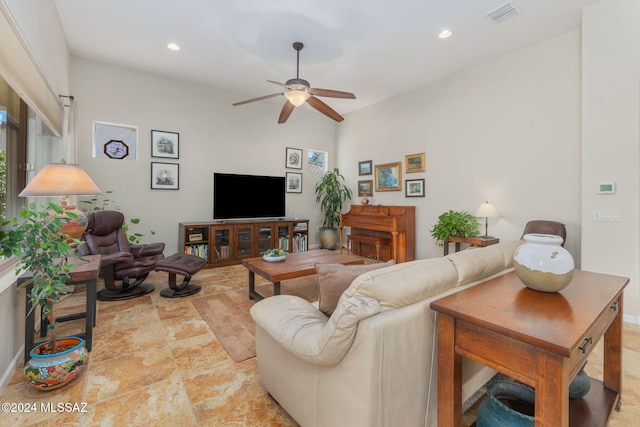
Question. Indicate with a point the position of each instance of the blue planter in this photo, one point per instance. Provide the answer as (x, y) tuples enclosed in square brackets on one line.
[(508, 404)]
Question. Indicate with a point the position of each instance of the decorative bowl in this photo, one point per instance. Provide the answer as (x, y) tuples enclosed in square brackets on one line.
[(274, 258)]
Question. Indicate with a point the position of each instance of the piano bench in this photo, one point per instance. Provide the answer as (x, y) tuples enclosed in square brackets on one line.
[(372, 240)]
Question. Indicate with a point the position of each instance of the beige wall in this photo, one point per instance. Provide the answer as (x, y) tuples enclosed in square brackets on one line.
[(610, 137), (214, 137), (506, 131)]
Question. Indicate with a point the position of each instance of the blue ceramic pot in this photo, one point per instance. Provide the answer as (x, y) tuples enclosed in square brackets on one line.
[(508, 404)]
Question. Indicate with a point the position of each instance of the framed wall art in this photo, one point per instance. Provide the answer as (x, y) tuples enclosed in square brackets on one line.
[(165, 144), (415, 163), (365, 168), (294, 182), (113, 141), (365, 188), (294, 158), (165, 176), (388, 177), (414, 187)]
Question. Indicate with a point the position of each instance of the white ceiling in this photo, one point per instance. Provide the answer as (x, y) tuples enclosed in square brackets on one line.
[(373, 48)]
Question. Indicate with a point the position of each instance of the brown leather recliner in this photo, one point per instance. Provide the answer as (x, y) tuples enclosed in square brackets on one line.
[(120, 260), (546, 227)]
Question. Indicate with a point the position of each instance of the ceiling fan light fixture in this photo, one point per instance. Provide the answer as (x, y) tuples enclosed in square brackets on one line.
[(296, 96)]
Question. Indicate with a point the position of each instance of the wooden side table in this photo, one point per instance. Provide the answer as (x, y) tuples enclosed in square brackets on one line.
[(86, 270), (541, 339), (474, 241)]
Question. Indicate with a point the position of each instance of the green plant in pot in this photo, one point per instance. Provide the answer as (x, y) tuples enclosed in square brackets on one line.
[(34, 238), (331, 194), (455, 223)]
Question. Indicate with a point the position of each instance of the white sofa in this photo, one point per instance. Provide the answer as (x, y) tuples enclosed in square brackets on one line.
[(374, 361)]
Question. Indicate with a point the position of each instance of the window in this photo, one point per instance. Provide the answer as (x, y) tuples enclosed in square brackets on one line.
[(13, 149), (317, 161)]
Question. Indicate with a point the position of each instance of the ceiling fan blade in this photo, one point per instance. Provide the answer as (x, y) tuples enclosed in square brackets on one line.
[(331, 93), (279, 84), (258, 99), (286, 111), (324, 109)]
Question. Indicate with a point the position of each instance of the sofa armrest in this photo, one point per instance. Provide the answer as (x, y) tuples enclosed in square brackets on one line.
[(306, 332)]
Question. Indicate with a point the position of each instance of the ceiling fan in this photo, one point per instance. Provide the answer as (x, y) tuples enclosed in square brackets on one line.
[(300, 91)]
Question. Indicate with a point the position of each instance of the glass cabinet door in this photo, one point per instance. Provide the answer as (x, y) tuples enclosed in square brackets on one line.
[(244, 240), (264, 237), (221, 244), (284, 236)]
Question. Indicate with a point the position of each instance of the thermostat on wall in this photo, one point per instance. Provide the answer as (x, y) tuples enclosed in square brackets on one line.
[(606, 188)]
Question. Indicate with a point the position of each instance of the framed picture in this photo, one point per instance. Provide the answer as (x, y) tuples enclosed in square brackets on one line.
[(294, 158), (165, 176), (414, 187), (415, 163), (365, 168), (113, 141), (165, 144), (365, 188), (294, 182), (389, 177)]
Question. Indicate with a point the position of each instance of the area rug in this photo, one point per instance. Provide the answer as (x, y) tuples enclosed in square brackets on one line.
[(227, 314)]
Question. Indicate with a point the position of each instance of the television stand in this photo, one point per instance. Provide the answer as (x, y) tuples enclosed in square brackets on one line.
[(228, 242)]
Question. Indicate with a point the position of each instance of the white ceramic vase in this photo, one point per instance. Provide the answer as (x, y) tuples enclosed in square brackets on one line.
[(543, 264)]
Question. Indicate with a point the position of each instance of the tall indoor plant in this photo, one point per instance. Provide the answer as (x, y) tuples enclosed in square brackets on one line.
[(331, 193), (34, 238)]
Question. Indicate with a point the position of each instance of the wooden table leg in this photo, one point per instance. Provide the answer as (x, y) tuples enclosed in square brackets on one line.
[(449, 375), (552, 396), (612, 375)]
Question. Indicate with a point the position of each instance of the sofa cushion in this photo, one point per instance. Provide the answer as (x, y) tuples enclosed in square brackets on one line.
[(333, 279), (405, 283), (306, 332), (479, 263)]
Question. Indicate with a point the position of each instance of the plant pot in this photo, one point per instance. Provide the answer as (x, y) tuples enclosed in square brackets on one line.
[(51, 371), (328, 238), (508, 404), (542, 264)]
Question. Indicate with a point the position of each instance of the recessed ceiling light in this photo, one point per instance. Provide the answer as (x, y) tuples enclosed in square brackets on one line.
[(173, 46), (445, 34)]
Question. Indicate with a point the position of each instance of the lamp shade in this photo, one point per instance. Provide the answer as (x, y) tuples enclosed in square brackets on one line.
[(296, 97), (487, 210), (61, 179)]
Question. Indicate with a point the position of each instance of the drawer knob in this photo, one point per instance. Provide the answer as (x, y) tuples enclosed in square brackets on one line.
[(614, 306), (585, 343)]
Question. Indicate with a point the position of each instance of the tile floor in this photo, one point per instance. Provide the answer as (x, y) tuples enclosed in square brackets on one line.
[(155, 362)]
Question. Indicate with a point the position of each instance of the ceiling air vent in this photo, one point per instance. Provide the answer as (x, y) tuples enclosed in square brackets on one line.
[(503, 13)]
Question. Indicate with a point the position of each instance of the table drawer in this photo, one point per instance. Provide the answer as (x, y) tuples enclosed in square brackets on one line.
[(592, 336)]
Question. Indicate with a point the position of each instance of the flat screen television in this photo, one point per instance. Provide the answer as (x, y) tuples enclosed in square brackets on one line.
[(248, 196)]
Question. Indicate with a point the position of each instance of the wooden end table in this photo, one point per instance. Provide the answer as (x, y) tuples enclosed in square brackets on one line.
[(296, 265), (473, 241), (541, 339), (86, 270)]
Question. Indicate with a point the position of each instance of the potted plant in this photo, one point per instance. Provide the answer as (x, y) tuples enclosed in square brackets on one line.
[(35, 239), (331, 193), (455, 223)]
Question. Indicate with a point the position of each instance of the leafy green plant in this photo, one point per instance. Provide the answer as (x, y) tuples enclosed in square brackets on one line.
[(102, 202), (35, 239), (455, 223), (331, 193)]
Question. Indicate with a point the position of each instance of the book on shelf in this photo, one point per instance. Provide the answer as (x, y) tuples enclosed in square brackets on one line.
[(201, 250)]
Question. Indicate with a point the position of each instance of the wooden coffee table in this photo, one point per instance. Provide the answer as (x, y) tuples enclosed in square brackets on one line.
[(541, 339), (295, 265)]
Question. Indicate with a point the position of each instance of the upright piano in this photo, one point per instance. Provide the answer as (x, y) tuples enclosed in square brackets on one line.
[(394, 225)]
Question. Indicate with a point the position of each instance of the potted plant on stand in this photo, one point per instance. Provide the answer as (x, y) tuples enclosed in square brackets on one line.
[(35, 239), (455, 223), (331, 193)]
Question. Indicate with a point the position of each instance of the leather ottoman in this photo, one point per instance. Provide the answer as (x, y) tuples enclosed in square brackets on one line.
[(185, 265)]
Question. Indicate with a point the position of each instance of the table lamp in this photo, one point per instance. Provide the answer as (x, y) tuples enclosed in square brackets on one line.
[(63, 180), (486, 210)]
